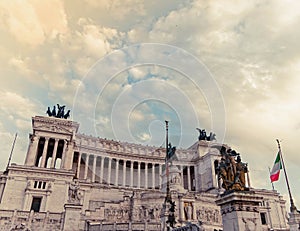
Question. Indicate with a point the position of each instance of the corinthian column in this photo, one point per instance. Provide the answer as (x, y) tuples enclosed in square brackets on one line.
[(94, 168), (189, 177), (78, 165), (124, 173), (131, 173), (117, 173), (54, 153), (146, 175), (44, 156), (139, 175), (86, 166), (102, 169), (109, 170), (153, 176)]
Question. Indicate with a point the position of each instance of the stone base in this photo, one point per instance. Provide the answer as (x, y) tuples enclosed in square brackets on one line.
[(240, 211), (294, 221), (72, 217)]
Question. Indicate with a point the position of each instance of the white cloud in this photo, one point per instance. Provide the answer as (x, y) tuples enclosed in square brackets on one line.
[(137, 115), (137, 73), (17, 106), (144, 137), (21, 64), (119, 8), (32, 22)]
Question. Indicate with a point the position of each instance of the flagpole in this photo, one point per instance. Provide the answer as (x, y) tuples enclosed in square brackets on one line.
[(293, 207), (271, 181), (168, 196), (11, 152), (168, 186), (170, 151)]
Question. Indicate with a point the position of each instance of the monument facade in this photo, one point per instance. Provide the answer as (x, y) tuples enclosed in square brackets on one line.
[(71, 181)]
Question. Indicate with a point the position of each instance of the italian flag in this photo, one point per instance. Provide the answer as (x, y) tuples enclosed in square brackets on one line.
[(274, 175)]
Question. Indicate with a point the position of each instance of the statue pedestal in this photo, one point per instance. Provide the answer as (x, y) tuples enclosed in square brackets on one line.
[(294, 221), (240, 211), (72, 217)]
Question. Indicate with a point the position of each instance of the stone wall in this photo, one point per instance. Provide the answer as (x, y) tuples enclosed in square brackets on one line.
[(125, 226), (15, 220)]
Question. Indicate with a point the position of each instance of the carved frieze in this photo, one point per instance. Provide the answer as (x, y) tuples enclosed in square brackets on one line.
[(147, 213), (208, 215), (54, 128), (138, 213), (114, 214)]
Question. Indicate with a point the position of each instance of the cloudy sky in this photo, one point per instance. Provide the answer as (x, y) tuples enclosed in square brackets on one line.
[(125, 66)]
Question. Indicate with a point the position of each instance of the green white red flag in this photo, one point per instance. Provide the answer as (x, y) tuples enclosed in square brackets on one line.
[(274, 174)]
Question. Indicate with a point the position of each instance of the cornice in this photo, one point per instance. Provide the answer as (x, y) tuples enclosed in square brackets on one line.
[(29, 170)]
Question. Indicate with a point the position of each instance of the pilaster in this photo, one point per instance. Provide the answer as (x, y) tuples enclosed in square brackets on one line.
[(32, 150)]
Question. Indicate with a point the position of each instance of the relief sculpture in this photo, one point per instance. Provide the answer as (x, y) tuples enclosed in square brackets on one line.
[(208, 215), (112, 213)]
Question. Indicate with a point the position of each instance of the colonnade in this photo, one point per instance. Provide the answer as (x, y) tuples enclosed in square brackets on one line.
[(46, 149), (125, 173)]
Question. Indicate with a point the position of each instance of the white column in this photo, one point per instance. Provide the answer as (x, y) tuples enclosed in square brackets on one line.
[(78, 166), (196, 178), (189, 177), (109, 170), (153, 175), (146, 175), (86, 166), (131, 174), (139, 175), (44, 156), (63, 156), (160, 175), (117, 173), (102, 169), (124, 173), (54, 153), (181, 210), (181, 172), (94, 168)]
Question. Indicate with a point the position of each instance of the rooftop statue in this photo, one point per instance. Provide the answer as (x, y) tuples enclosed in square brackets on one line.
[(60, 112), (171, 151), (67, 115), (231, 171), (203, 136)]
